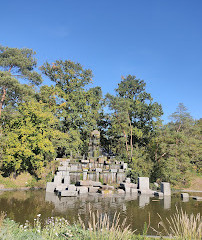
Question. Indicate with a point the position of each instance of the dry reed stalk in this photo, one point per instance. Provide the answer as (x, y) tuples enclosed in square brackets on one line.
[(182, 226), (100, 227)]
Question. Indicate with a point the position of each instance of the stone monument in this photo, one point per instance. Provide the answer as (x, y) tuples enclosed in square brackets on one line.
[(94, 144)]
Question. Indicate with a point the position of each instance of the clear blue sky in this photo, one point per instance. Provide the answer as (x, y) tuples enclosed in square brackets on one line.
[(159, 41)]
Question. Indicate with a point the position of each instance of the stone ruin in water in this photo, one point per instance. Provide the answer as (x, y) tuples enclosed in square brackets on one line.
[(94, 174)]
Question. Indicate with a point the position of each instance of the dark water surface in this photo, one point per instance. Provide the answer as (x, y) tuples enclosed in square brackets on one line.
[(25, 205)]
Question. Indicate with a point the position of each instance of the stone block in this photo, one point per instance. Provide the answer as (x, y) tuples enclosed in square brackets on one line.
[(158, 194), (96, 184), (84, 176), (74, 168), (101, 160), (165, 188), (105, 192), (58, 179), (84, 161), (125, 166), (143, 183), (121, 170), (127, 189), (50, 187), (107, 187), (62, 168), (146, 191), (82, 190), (67, 180), (98, 169), (91, 160), (114, 170), (120, 191), (184, 195), (133, 191), (197, 198), (133, 185), (71, 187), (61, 187), (67, 193), (92, 189), (127, 180)]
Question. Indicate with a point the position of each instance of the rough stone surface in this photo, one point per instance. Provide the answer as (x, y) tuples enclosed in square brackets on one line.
[(133, 191), (82, 190), (143, 183), (158, 194), (120, 191), (98, 169), (146, 191), (197, 198), (50, 187), (107, 187), (92, 189), (71, 187), (184, 195), (127, 189), (58, 179), (67, 180), (114, 170), (165, 188)]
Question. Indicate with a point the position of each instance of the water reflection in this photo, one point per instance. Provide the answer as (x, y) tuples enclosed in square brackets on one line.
[(25, 205)]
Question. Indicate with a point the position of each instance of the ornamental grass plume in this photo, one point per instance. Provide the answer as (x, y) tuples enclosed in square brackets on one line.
[(180, 225), (99, 226), (2, 217)]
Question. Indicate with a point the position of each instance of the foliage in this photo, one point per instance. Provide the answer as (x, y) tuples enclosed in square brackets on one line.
[(29, 137)]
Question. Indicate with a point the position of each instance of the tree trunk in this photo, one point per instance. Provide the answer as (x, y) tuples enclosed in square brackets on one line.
[(2, 100)]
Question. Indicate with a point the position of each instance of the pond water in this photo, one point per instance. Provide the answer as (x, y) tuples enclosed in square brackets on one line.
[(25, 205)]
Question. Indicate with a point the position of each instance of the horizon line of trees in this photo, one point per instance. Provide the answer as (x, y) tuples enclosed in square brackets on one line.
[(40, 122)]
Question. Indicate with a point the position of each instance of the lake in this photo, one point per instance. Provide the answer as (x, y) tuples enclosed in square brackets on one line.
[(25, 205)]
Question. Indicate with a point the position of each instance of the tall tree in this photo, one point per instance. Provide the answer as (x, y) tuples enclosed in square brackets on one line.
[(78, 107), (16, 64), (134, 114)]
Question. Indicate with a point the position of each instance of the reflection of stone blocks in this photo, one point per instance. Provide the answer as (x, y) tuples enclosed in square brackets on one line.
[(67, 193), (50, 187), (165, 188), (114, 170), (143, 183)]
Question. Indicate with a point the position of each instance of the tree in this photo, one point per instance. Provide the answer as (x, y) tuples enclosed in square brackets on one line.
[(16, 64), (176, 149), (78, 107), (134, 114), (30, 139)]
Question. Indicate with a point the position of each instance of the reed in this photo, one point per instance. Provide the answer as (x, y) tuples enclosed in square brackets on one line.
[(2, 217), (100, 226), (180, 225)]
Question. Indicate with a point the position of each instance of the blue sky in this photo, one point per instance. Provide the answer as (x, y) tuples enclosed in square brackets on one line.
[(159, 41)]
